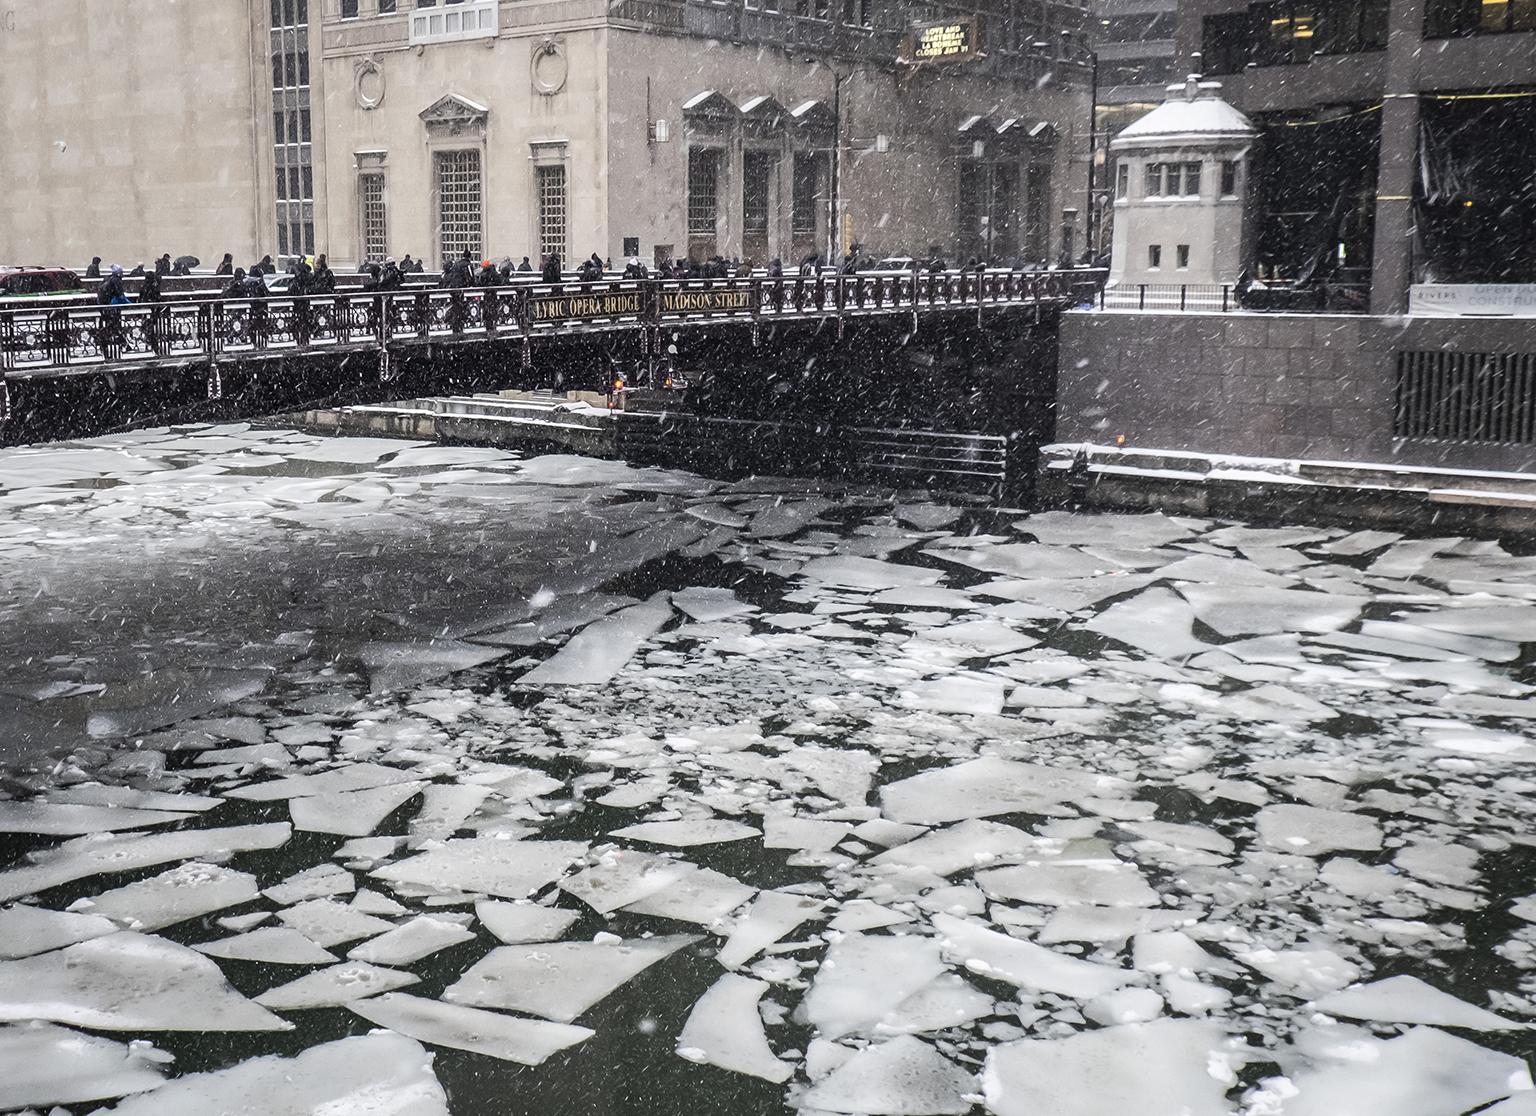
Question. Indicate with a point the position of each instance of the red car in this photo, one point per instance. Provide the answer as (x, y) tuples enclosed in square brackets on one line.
[(23, 281)]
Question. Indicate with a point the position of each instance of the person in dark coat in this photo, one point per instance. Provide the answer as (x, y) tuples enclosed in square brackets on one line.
[(324, 281), (149, 290), (390, 276), (262, 267), (303, 279), (374, 273), (488, 276), (809, 264), (137, 271), (634, 269), (525, 265), (93, 271), (226, 265), (408, 266), (551, 271), (163, 265), (183, 265), (235, 288), (776, 268), (111, 292)]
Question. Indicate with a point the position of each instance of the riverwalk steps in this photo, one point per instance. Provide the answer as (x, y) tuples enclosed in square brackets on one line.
[(1288, 490)]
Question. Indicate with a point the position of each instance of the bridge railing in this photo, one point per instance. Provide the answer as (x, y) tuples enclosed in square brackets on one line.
[(37, 340)]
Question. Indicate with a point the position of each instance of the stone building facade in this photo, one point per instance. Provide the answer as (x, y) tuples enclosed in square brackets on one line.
[(366, 128)]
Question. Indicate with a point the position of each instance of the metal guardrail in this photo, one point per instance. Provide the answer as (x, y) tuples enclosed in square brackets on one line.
[(1326, 297), (54, 341)]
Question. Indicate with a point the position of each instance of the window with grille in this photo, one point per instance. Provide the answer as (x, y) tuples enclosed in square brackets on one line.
[(757, 177), (458, 203), (807, 175), (291, 127), (703, 196), (375, 236), (551, 184)]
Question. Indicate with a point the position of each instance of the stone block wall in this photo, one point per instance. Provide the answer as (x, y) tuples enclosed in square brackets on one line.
[(1315, 386)]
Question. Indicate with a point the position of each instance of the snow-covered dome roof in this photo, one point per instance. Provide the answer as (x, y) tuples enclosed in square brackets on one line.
[(1193, 113)]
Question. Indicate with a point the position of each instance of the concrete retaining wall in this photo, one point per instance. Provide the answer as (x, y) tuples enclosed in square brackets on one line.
[(1265, 385)]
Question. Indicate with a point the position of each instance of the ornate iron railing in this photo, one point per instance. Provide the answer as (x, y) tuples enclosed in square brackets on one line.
[(41, 340)]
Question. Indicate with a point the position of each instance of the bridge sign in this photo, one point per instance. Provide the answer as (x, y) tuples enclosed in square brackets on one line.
[(585, 307), (729, 301)]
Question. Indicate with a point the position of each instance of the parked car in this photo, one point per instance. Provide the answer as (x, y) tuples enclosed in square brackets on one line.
[(23, 282)]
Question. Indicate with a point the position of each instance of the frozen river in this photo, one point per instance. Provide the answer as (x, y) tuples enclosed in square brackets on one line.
[(367, 777)]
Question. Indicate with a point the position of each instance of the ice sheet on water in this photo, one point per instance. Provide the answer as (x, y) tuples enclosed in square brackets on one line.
[(1015, 961), (864, 977), (26, 930), (1312, 831), (852, 572), (89, 856), (528, 1041), (725, 1029), (68, 820), (622, 877), (312, 883), (1424, 1072), (329, 923), (707, 605), (1109, 925), (901, 1077), (1155, 621), (186, 891), (599, 651), (982, 787), (1407, 999), (1028, 560), (514, 923), (701, 896), (1062, 528), (421, 937), (771, 917), (1308, 972), (1112, 884), (687, 832), (398, 666), (352, 777), (1506, 622), (845, 774), (334, 987), (1242, 611), (1162, 1068), (381, 1074), (42, 1064), (559, 980), (275, 945), (956, 694), (964, 846), (781, 831), (350, 813), (564, 615), (100, 794), (946, 1001), (510, 869), (1064, 594), (127, 982)]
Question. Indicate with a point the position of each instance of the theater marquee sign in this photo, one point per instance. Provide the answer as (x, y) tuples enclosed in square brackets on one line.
[(950, 40)]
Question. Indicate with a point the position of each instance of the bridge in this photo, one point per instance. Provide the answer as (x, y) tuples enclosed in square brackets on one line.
[(955, 351)]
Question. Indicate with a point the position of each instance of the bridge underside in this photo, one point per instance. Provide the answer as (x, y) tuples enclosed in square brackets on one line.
[(964, 371)]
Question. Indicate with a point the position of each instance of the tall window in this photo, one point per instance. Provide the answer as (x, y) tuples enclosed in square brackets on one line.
[(551, 185), (292, 156), (458, 203), (1229, 178), (371, 206), (348, 9), (757, 174), (805, 190), (1122, 180), (703, 191)]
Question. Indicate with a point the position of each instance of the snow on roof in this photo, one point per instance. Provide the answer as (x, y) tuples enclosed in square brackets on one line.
[(1192, 112)]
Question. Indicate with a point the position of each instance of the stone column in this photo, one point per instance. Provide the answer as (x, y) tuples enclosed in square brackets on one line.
[(1398, 160)]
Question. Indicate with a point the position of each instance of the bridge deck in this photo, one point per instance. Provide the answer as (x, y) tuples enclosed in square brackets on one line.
[(49, 342)]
